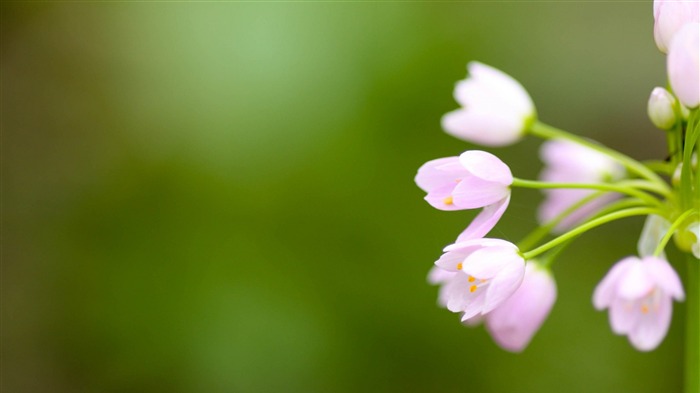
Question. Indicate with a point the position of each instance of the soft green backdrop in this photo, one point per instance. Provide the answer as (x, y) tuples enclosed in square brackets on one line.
[(219, 197)]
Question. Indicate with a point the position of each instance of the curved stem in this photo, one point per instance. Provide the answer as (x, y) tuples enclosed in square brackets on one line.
[(548, 132), (637, 211), (659, 166), (671, 230), (589, 186), (545, 229)]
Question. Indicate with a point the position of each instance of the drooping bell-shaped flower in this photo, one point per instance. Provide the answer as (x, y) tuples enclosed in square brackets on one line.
[(496, 109), (473, 180), (513, 324), (567, 162), (683, 66), (670, 16), (486, 272), (638, 293), (660, 108)]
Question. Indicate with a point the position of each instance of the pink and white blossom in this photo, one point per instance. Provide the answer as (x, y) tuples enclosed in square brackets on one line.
[(485, 272), (638, 293), (513, 324), (475, 179), (670, 16), (496, 109), (568, 162), (683, 66)]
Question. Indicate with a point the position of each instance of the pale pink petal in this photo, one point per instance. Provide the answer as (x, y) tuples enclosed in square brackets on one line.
[(683, 65), (512, 94), (624, 315), (437, 173), (513, 324), (472, 321), (670, 16), (474, 308), (606, 291), (486, 166), (636, 283), (485, 221), (468, 245), (472, 193), (438, 275), (504, 285), (652, 327), (488, 262), (665, 277), (459, 297), (450, 260), (488, 129), (442, 198)]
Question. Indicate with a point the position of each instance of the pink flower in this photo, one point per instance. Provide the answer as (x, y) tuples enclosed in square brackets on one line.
[(638, 293), (480, 275), (682, 64), (473, 180), (567, 162), (670, 16), (496, 109), (513, 324)]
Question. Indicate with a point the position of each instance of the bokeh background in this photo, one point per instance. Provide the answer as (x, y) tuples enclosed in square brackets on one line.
[(219, 197)]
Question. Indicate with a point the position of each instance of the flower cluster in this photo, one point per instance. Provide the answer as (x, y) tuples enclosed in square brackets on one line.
[(509, 287)]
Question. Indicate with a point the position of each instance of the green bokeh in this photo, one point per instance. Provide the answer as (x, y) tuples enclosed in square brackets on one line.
[(219, 197)]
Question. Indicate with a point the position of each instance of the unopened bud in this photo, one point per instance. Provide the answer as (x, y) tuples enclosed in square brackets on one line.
[(660, 108)]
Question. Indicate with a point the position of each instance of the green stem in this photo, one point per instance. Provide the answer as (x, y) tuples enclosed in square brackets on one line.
[(637, 211), (542, 231), (589, 186), (548, 132), (671, 230), (692, 327)]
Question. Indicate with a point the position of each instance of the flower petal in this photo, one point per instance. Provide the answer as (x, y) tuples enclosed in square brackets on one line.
[(504, 285), (606, 290), (665, 277), (636, 283), (652, 327), (436, 173), (485, 221), (488, 262), (486, 166)]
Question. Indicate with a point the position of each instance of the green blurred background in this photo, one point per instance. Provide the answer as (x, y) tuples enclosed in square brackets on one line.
[(219, 197)]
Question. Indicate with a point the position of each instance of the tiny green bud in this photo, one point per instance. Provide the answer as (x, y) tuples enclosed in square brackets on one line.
[(660, 108)]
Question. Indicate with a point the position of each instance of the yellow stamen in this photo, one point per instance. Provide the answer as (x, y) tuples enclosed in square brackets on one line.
[(472, 279), (459, 266), (472, 288), (645, 309), (448, 200)]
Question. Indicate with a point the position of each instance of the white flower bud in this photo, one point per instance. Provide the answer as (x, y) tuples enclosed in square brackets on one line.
[(660, 108)]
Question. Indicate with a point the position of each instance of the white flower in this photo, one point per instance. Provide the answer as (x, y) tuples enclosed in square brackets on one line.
[(670, 16), (682, 65), (638, 293), (496, 109), (479, 275)]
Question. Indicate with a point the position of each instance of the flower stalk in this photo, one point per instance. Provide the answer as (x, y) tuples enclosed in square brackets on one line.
[(692, 327)]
